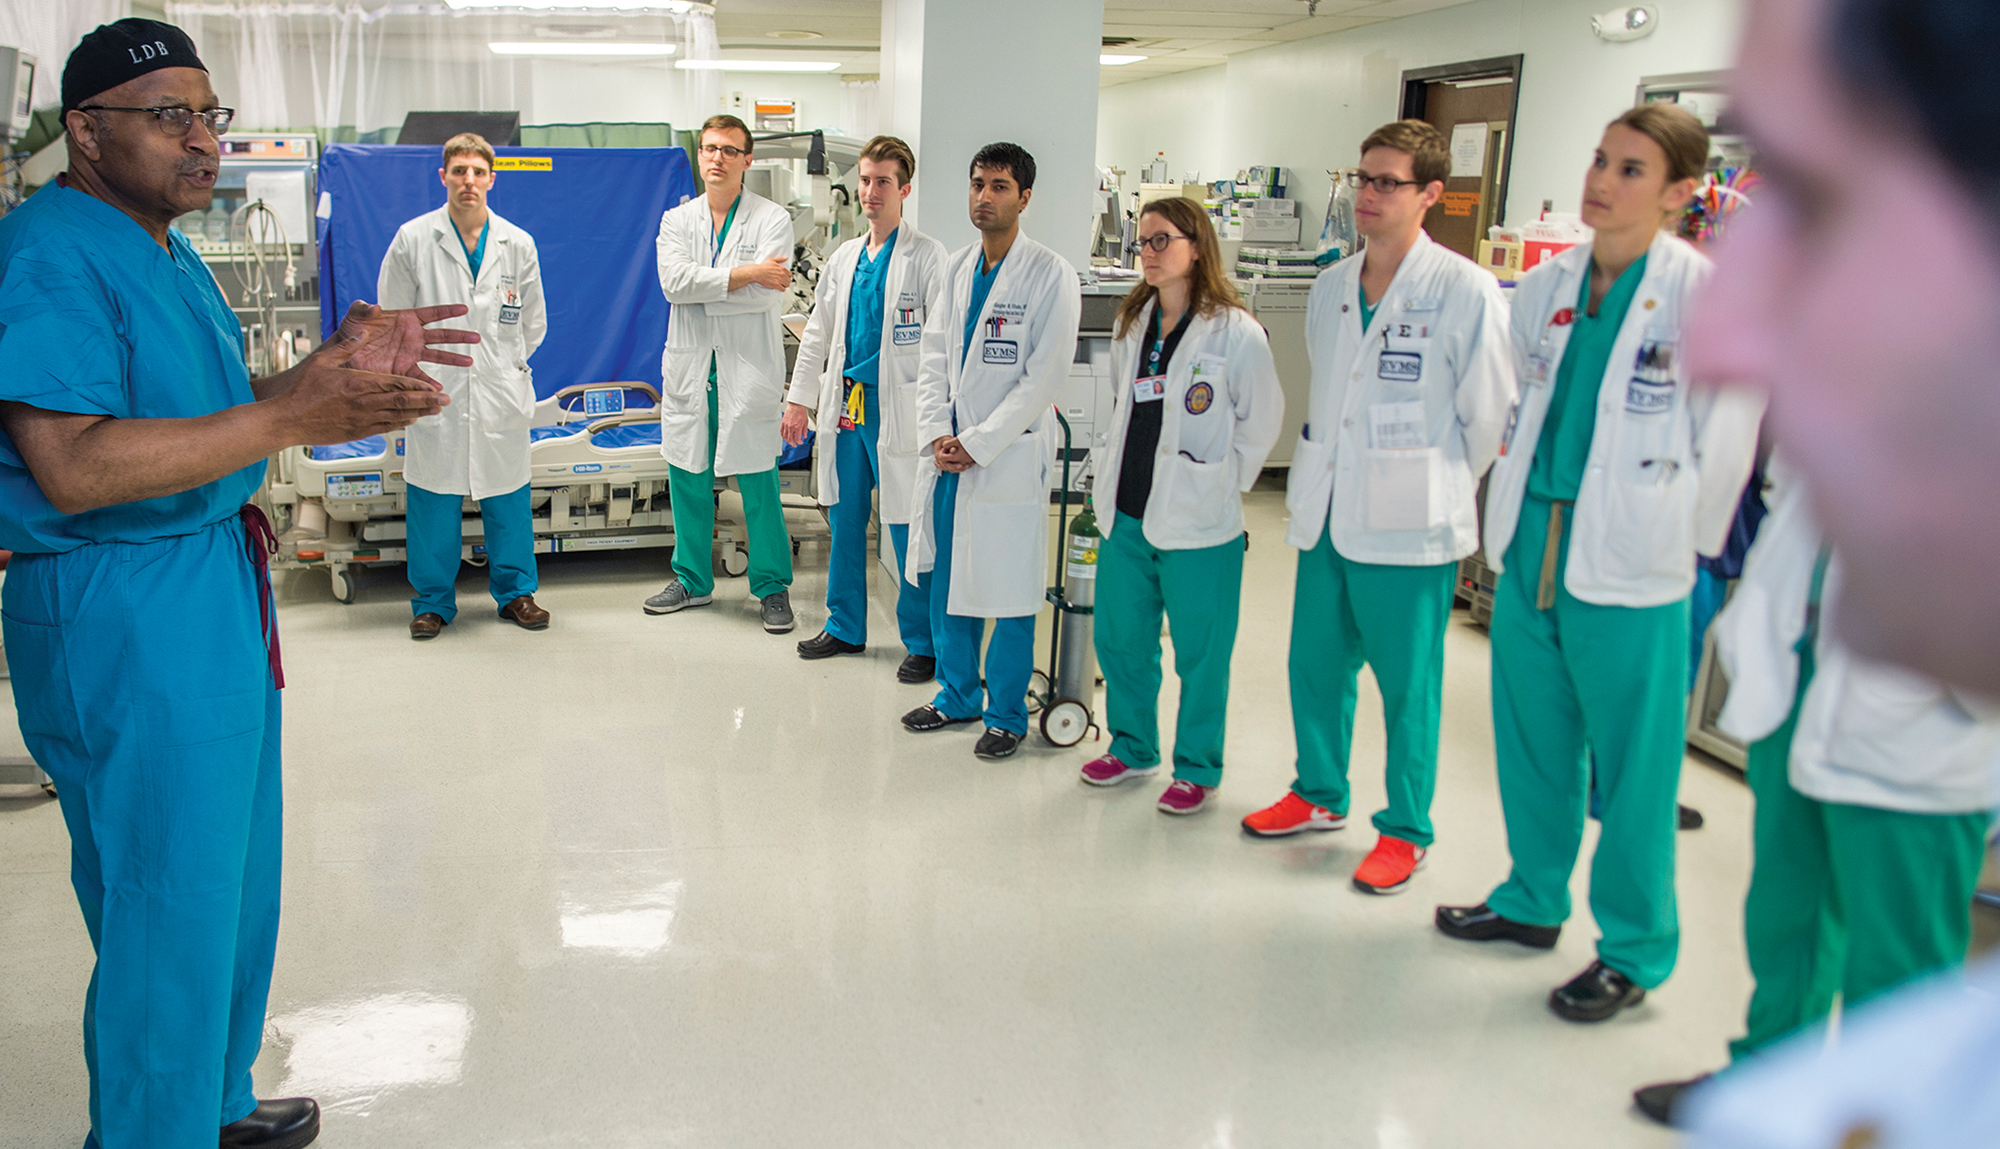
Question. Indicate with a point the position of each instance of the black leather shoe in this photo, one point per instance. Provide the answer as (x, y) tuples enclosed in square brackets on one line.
[(1595, 994), (927, 718), (287, 1123), (824, 645), (1691, 818), (917, 668), (1662, 1102), (997, 744), (1480, 924)]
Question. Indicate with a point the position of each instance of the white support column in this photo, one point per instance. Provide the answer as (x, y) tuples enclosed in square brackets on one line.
[(960, 74)]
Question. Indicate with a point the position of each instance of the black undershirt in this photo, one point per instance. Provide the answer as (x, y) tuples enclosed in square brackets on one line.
[(1142, 434)]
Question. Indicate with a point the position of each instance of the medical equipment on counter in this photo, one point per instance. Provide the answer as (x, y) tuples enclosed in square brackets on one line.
[(825, 215), (597, 482), (1338, 234)]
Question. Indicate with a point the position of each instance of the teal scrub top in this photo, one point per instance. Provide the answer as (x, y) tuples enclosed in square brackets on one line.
[(1564, 448), (866, 303), (1367, 312), (477, 255), (982, 286), (98, 319)]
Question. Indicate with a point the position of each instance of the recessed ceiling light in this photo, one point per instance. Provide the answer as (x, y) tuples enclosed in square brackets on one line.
[(1113, 59), (673, 7), (579, 48), (793, 34), (758, 65)]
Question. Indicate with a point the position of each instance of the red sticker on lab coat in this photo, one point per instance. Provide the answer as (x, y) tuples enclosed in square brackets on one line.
[(1563, 318)]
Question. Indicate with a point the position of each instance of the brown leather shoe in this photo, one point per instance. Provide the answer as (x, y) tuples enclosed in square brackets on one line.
[(426, 625), (526, 614)]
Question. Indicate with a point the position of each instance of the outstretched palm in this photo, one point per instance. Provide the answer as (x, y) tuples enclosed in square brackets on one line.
[(397, 342)]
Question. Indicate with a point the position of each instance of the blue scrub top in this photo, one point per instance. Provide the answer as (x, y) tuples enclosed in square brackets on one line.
[(98, 319), (476, 255), (982, 285), (865, 307)]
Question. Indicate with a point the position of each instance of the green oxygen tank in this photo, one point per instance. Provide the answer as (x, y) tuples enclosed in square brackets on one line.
[(1076, 662)]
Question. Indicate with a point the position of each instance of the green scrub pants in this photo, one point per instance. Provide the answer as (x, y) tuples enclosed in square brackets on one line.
[(693, 500), (1571, 683), (1198, 592), (1846, 900), (1393, 618)]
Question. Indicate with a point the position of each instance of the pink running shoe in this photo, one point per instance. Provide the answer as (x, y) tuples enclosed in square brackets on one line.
[(1185, 798), (1109, 771)]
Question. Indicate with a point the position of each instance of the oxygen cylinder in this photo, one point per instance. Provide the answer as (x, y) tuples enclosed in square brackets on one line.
[(1076, 662)]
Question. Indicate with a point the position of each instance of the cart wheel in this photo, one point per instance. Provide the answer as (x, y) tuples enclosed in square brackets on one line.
[(1065, 722), (343, 583), (1039, 689), (735, 561)]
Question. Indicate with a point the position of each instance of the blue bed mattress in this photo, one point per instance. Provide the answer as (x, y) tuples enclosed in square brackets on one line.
[(368, 448)]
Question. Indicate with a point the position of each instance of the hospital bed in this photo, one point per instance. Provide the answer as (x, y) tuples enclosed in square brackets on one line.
[(597, 482)]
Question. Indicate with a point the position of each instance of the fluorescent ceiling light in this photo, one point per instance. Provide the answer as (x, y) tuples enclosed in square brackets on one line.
[(579, 48), (1113, 60), (758, 65), (675, 7)]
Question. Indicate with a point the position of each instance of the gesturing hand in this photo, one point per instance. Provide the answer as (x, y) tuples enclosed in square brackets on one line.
[(395, 342)]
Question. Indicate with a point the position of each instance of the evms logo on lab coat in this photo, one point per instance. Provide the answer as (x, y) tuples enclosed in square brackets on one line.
[(907, 330), (996, 349), (1651, 388)]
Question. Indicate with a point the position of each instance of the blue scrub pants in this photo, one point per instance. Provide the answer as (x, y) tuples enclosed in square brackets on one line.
[(144, 689), (1010, 653), (857, 467), (435, 543)]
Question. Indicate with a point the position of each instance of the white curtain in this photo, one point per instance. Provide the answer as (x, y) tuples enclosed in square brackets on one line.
[(860, 108), (51, 29), (351, 68)]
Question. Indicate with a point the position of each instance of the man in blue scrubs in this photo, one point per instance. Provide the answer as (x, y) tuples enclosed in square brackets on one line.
[(138, 615)]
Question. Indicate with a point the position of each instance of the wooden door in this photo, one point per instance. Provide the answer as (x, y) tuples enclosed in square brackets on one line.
[(1475, 117)]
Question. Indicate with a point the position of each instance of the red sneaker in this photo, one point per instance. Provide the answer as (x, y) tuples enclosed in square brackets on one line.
[(1388, 867), (1292, 815)]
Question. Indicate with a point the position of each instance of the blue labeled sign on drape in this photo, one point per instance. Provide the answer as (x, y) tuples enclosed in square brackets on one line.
[(594, 213)]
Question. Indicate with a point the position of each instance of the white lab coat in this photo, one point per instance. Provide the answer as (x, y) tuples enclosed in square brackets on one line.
[(1668, 460), (1222, 411), (1869, 734), (740, 329), (915, 280), (478, 445), (1002, 396), (1403, 491)]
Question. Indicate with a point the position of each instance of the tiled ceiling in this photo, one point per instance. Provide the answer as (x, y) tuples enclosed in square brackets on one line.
[(1173, 35)]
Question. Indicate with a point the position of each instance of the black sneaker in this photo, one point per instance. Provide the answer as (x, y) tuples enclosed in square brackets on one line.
[(1481, 924), (997, 744), (1595, 994), (927, 718), (917, 668), (824, 645)]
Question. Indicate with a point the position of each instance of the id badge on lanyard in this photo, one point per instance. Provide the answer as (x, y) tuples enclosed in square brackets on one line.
[(1151, 386)]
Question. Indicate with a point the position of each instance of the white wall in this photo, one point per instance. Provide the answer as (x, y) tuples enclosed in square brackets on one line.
[(1307, 105)]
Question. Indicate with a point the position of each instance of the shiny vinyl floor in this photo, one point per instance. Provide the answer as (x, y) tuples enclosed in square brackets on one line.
[(643, 881)]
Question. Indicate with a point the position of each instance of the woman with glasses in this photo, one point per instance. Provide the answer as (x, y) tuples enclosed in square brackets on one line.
[(1616, 471), (1195, 410)]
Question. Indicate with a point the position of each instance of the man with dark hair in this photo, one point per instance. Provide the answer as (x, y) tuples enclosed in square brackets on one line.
[(996, 348), (1891, 421), (724, 265), (477, 448), (138, 612), (857, 368)]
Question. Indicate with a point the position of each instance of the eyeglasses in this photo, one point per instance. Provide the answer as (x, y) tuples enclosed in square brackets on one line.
[(1386, 185), (1159, 240), (176, 121), (723, 150)]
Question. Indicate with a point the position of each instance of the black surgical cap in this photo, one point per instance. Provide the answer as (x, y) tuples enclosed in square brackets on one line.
[(123, 51)]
